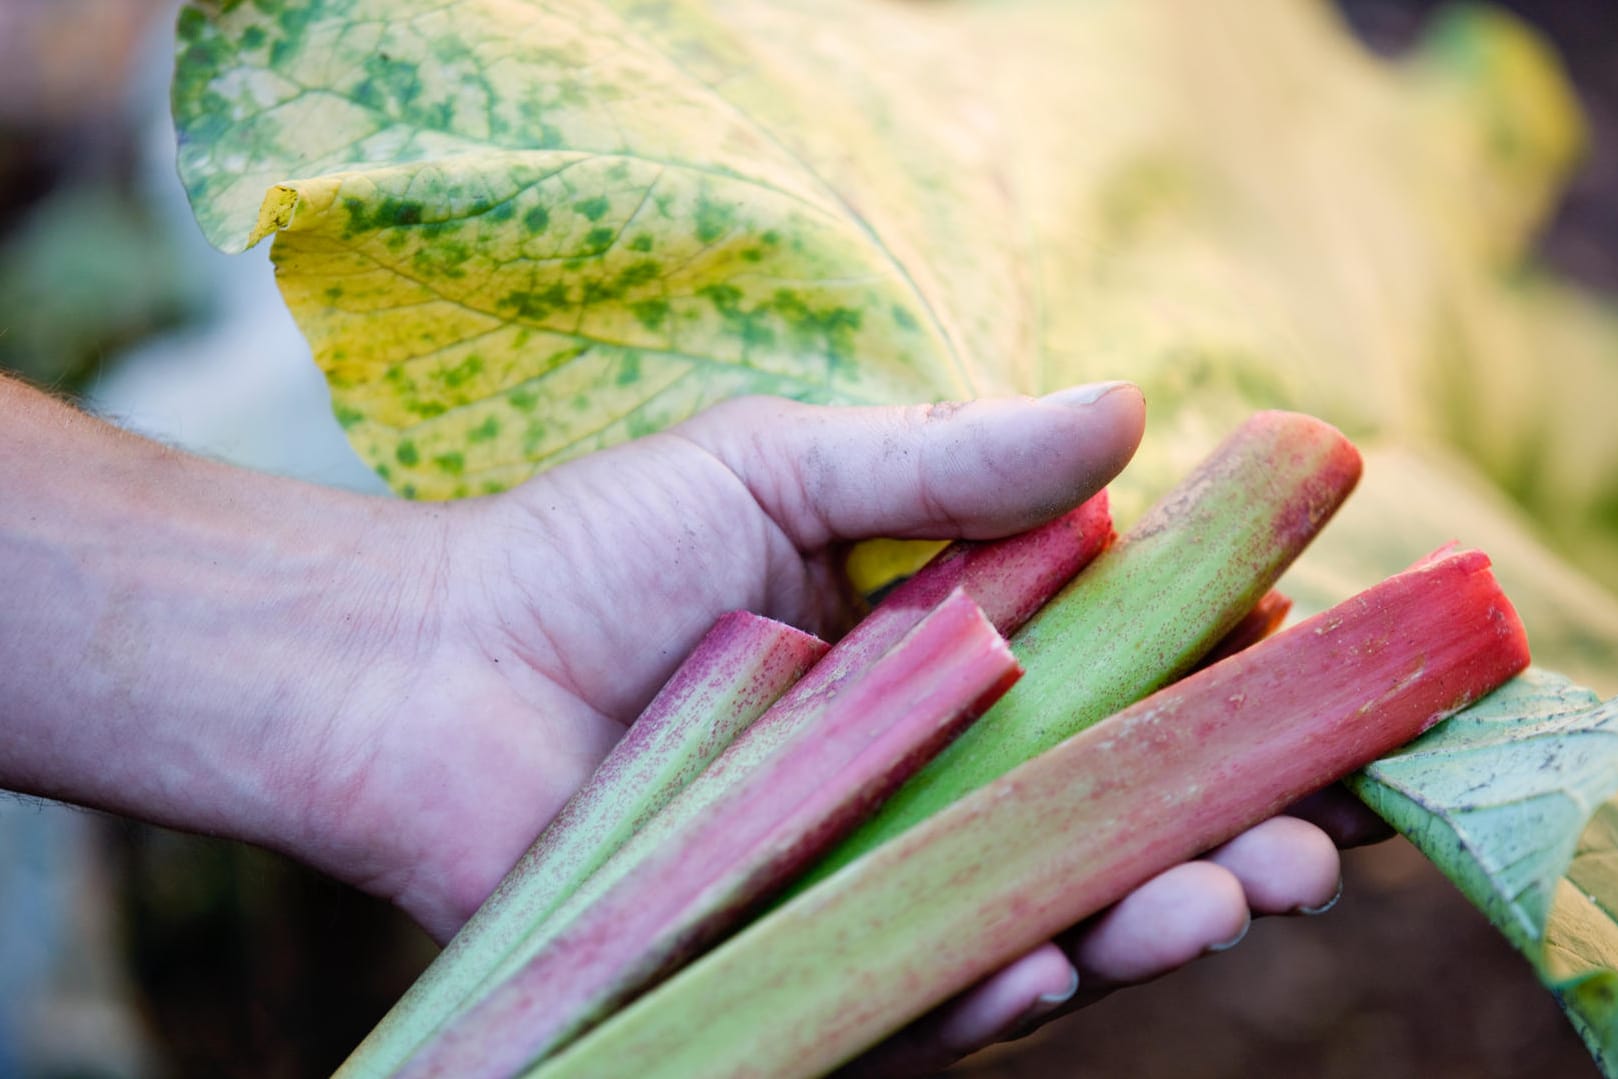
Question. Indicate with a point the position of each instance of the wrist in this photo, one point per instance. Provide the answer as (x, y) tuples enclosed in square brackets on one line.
[(183, 633)]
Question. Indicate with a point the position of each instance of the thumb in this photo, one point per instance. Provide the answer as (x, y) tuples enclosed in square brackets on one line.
[(977, 470)]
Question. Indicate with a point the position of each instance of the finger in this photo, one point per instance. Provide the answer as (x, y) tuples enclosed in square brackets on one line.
[(1284, 865), (976, 470), (1183, 913), (998, 1007), (1345, 818)]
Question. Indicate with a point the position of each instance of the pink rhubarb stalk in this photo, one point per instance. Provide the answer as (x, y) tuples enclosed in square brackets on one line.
[(1059, 838), (876, 729), (1010, 579), (740, 668)]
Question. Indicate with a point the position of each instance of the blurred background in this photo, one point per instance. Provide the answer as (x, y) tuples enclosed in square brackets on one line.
[(127, 951)]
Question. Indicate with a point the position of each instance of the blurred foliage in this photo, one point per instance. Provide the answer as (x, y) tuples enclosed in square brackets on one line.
[(87, 266), (87, 273), (247, 960)]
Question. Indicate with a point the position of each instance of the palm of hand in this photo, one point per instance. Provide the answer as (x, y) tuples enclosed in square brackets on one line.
[(565, 605)]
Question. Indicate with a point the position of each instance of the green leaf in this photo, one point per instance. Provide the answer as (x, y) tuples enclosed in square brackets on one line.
[(1516, 800)]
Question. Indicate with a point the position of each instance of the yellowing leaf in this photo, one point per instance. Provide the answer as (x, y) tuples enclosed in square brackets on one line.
[(547, 303), (517, 230)]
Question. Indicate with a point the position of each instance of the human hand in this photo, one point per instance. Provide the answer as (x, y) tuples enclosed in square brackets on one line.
[(558, 609), (403, 694), (566, 603)]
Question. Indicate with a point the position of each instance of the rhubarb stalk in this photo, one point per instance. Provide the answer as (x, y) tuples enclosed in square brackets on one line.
[(1146, 610), (1061, 837), (1262, 621), (1009, 579), (879, 726), (743, 664)]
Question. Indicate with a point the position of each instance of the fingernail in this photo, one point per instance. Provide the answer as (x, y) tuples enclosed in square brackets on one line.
[(1083, 396), (1225, 946), (1042, 1007), (1327, 905)]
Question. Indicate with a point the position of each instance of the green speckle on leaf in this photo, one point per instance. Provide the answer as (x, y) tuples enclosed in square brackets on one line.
[(486, 431), (391, 83), (535, 305), (464, 371), (639, 273), (650, 313), (453, 463), (642, 242), (534, 437), (725, 298), (407, 454), (629, 370), (397, 212), (536, 219), (593, 208), (714, 219)]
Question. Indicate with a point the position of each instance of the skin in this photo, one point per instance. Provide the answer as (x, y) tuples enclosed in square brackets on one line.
[(401, 694)]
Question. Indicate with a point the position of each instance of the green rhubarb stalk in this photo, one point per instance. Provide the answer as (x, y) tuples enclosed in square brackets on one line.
[(880, 725), (1009, 579), (743, 664), (1145, 610), (856, 958), (1257, 624)]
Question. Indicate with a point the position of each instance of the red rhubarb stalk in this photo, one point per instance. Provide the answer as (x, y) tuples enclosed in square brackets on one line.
[(876, 729), (1010, 579), (741, 667), (1146, 610), (1059, 838)]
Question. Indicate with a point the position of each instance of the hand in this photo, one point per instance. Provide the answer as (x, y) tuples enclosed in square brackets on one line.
[(403, 694), (750, 505), (559, 608)]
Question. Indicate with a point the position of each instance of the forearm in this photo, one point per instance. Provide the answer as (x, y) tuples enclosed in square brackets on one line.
[(178, 635)]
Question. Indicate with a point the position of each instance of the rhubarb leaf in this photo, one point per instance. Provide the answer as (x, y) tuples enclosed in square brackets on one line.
[(514, 233), (1516, 800), (518, 230)]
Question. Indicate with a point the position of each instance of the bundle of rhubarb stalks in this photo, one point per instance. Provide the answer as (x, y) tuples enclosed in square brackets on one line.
[(797, 850)]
